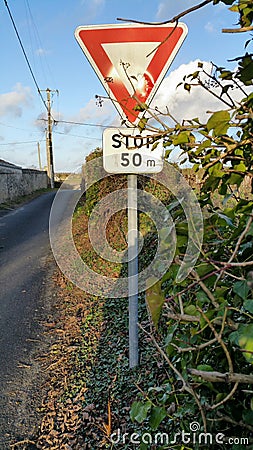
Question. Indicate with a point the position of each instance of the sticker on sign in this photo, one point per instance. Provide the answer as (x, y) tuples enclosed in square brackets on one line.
[(129, 151)]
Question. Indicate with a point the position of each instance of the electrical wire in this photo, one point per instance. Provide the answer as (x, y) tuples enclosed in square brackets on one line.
[(75, 135), (18, 128), (83, 123), (34, 78), (77, 123), (43, 62), (18, 143), (24, 53)]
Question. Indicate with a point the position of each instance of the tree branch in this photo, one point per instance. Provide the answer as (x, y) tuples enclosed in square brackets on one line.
[(205, 289), (174, 19), (218, 377), (197, 348), (237, 30), (243, 234), (184, 317), (219, 338), (231, 393), (186, 385), (229, 420)]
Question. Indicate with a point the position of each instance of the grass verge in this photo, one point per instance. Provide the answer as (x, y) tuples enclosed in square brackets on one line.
[(90, 387)]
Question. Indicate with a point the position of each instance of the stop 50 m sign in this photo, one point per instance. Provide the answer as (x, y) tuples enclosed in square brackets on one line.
[(129, 151)]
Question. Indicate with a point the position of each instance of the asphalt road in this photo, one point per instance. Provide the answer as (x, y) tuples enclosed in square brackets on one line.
[(26, 264)]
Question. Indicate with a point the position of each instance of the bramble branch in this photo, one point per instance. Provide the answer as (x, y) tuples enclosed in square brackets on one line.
[(237, 30), (218, 377)]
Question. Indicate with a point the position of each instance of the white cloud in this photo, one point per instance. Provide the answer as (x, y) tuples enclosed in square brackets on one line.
[(12, 103), (181, 104), (185, 105)]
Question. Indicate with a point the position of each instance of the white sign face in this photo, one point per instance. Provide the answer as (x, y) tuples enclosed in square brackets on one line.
[(127, 150)]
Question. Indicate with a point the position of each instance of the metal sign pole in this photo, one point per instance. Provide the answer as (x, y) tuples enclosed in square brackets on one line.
[(133, 271)]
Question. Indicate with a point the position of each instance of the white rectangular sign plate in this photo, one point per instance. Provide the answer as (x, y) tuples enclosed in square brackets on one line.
[(127, 150)]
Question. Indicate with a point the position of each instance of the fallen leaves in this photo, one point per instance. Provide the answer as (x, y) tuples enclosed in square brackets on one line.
[(60, 427)]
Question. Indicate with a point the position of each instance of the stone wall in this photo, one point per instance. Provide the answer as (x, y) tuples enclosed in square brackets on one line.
[(16, 182)]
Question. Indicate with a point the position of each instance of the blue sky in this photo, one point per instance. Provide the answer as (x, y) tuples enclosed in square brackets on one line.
[(47, 32)]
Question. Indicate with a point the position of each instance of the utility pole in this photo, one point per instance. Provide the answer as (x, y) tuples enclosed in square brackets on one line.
[(50, 161), (40, 166), (49, 141)]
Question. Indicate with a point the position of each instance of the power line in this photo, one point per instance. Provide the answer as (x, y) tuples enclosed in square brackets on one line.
[(37, 40), (24, 53), (18, 143), (18, 128), (77, 123), (75, 135), (83, 123)]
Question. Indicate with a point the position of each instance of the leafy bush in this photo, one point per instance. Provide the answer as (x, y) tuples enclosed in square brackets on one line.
[(203, 326)]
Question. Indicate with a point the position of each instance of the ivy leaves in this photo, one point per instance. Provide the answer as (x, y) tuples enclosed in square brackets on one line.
[(218, 123)]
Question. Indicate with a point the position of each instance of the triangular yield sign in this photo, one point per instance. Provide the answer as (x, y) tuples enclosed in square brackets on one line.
[(131, 61)]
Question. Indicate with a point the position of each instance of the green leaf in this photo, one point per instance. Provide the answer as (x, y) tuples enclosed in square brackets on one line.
[(248, 416), (217, 170), (181, 138), (234, 338), (181, 241), (203, 146), (248, 305), (240, 167), (203, 269), (191, 310), (195, 75), (205, 367), (227, 219), (170, 335), (154, 145), (202, 298), (226, 75), (144, 446), (234, 178), (241, 288), (140, 107), (234, 8), (246, 341), (250, 231), (157, 415), (219, 122), (139, 411), (245, 73), (142, 124), (187, 87), (155, 299)]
